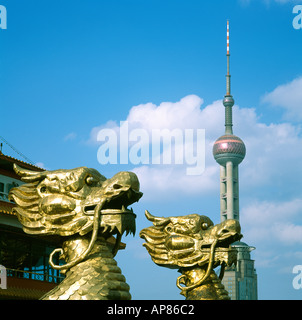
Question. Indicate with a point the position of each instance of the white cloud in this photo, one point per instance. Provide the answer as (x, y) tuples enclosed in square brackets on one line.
[(182, 114), (289, 97), (289, 233), (272, 154), (169, 182), (268, 2), (271, 222), (40, 165), (272, 150), (70, 136)]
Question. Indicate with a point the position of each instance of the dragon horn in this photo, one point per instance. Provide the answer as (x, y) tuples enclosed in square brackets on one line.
[(157, 221), (29, 175)]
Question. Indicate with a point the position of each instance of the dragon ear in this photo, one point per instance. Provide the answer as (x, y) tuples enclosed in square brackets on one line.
[(157, 221), (29, 175)]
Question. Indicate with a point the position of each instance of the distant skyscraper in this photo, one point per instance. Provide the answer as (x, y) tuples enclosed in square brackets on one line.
[(229, 151)]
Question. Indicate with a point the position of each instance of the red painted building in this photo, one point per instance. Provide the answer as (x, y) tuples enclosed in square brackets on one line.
[(25, 257)]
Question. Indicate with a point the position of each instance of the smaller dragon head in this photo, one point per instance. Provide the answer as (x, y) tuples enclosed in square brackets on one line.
[(191, 241)]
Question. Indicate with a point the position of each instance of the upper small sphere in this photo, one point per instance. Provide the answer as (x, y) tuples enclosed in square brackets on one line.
[(229, 148)]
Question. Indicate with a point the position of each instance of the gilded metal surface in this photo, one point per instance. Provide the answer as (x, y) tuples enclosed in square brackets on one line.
[(195, 246), (85, 209)]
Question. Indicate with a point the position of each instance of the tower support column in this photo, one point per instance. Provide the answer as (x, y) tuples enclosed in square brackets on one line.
[(236, 193), (223, 206), (230, 190)]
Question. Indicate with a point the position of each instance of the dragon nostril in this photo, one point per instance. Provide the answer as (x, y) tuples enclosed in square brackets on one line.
[(89, 210), (43, 189), (169, 229), (223, 232)]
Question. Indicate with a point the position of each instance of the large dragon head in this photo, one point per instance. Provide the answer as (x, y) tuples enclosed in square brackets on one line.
[(189, 241), (80, 200)]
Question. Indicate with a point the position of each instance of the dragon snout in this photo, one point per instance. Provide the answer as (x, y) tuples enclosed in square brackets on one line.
[(131, 179), (228, 231), (123, 183)]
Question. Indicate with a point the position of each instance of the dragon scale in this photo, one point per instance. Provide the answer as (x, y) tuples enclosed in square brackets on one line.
[(96, 278), (210, 289)]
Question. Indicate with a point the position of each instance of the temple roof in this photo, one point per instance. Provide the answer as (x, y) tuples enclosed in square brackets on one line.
[(6, 166)]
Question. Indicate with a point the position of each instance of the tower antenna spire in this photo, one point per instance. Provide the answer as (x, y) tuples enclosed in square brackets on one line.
[(228, 100), (228, 91)]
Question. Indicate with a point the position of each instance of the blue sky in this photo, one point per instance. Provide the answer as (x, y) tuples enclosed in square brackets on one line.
[(71, 68)]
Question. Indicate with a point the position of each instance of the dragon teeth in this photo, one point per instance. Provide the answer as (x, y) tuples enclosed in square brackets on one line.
[(105, 229), (119, 228)]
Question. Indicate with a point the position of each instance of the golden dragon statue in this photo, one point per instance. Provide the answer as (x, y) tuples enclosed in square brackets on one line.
[(85, 210), (195, 246)]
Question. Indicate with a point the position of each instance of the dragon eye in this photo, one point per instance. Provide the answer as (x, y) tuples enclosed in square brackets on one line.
[(89, 180), (117, 186), (169, 229), (204, 226)]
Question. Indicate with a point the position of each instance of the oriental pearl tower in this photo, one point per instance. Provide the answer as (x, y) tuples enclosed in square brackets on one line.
[(229, 151)]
